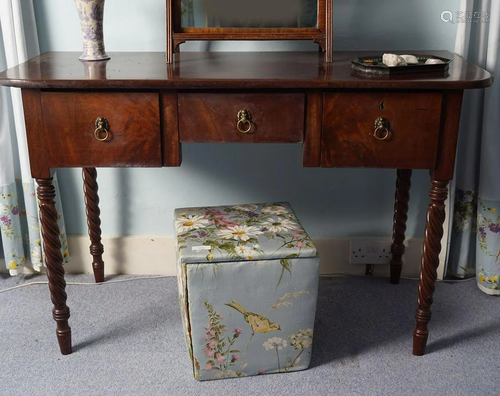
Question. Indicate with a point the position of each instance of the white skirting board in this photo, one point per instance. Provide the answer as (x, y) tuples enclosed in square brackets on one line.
[(155, 255)]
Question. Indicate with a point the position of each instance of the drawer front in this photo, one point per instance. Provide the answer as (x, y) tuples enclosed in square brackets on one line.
[(407, 137), (213, 117), (133, 134)]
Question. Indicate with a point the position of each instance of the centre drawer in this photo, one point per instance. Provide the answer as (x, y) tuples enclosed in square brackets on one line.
[(241, 117), (380, 129), (128, 133)]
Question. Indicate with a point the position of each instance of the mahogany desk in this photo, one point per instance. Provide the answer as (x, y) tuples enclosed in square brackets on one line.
[(150, 108)]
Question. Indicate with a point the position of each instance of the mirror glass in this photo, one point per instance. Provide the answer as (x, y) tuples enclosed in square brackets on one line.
[(249, 13)]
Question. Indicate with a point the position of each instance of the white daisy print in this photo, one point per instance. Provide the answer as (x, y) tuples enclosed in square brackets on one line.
[(239, 233), (274, 209), (191, 222), (244, 251), (278, 225), (246, 208)]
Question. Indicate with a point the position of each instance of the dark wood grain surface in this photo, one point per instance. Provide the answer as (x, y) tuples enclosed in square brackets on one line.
[(348, 138), (212, 117), (63, 70), (311, 151), (134, 128)]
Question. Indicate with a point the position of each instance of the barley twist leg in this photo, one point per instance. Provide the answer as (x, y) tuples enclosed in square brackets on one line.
[(53, 260), (90, 188), (403, 184), (429, 264)]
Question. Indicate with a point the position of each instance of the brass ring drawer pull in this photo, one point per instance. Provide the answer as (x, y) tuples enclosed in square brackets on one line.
[(244, 124), (101, 132), (381, 129)]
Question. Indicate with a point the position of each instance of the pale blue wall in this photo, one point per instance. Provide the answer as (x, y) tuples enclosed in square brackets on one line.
[(330, 202)]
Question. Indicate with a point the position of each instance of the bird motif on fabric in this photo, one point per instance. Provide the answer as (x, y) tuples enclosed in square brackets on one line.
[(258, 323)]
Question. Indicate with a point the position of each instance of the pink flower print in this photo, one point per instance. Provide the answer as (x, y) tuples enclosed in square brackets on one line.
[(212, 332), (207, 336), (15, 210), (227, 223), (220, 359), (5, 220), (299, 244), (207, 216), (32, 193), (213, 222), (212, 344), (208, 351), (296, 236), (208, 367), (208, 326), (235, 357), (217, 213), (237, 330), (223, 329)]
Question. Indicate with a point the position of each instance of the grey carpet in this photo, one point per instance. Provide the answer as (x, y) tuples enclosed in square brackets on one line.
[(128, 340)]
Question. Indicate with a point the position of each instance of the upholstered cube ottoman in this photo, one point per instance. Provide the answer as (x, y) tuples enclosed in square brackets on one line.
[(248, 282)]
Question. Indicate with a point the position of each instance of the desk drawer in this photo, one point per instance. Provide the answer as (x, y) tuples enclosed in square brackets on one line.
[(411, 139), (134, 128), (213, 117)]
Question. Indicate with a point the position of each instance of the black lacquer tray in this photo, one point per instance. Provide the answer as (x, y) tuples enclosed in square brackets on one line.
[(360, 64)]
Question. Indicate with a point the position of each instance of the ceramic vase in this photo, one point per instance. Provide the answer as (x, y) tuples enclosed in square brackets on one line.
[(91, 14)]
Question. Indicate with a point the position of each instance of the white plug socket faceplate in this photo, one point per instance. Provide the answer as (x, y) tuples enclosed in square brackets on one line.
[(370, 250)]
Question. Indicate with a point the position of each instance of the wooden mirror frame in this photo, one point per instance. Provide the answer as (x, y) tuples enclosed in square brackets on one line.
[(176, 34)]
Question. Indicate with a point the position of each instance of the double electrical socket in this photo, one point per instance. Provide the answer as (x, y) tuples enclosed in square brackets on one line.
[(370, 250)]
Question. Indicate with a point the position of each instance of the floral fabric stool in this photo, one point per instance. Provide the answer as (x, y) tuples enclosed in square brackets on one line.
[(248, 284)]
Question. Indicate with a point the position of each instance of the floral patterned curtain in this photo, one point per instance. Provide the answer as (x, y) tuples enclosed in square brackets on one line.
[(19, 225), (475, 237)]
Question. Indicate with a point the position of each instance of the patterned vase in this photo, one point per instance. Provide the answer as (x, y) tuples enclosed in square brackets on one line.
[(91, 14)]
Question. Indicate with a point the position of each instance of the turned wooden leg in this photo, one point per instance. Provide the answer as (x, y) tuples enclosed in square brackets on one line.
[(429, 264), (403, 184), (90, 189), (53, 261)]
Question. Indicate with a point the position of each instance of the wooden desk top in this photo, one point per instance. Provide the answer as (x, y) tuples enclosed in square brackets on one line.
[(231, 70)]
